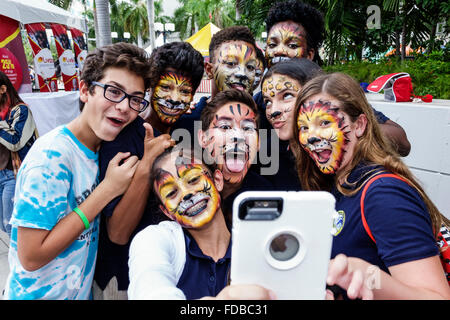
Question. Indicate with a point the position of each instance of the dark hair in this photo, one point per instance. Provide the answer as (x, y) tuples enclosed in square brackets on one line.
[(302, 13), (260, 56), (10, 92), (180, 56), (234, 33), (222, 98), (118, 55), (158, 215), (300, 69), (372, 147)]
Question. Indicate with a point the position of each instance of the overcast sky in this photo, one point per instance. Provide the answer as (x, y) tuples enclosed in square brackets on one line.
[(169, 6)]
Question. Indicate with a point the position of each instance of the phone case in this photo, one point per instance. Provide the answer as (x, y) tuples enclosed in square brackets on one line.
[(306, 221)]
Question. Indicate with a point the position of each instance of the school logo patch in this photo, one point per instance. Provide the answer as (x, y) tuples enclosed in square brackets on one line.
[(338, 222)]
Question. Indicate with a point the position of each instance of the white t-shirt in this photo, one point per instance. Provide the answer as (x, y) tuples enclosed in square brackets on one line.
[(156, 262), (57, 175)]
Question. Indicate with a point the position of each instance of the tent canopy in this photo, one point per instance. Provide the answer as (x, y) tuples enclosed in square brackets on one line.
[(35, 11), (200, 41)]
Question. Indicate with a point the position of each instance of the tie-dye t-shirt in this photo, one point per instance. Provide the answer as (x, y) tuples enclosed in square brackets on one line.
[(58, 174)]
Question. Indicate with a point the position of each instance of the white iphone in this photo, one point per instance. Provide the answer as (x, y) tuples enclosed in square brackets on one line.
[(282, 240)]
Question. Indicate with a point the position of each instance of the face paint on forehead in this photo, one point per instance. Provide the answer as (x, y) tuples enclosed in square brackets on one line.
[(187, 165), (188, 195), (242, 51), (320, 107), (235, 67), (237, 111), (179, 79), (172, 96), (272, 86), (286, 30), (232, 141), (286, 40), (162, 177), (323, 133)]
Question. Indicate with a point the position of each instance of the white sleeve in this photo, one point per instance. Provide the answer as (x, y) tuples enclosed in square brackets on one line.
[(153, 264)]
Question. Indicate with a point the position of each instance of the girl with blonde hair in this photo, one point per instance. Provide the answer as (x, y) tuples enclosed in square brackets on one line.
[(339, 147)]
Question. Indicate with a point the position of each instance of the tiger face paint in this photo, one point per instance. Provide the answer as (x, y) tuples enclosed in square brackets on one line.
[(235, 66), (324, 132), (232, 141), (280, 93), (286, 40), (171, 97), (187, 192)]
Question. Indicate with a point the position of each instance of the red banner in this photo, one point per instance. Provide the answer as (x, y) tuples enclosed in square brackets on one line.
[(80, 47), (43, 60), (12, 55), (66, 57), (10, 66)]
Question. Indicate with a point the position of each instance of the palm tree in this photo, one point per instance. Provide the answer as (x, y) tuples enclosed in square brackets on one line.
[(135, 19), (151, 22), (65, 4), (253, 13), (193, 14), (104, 28), (416, 19)]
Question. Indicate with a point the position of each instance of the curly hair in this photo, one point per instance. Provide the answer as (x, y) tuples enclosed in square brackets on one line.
[(118, 55), (234, 33), (180, 56), (302, 13)]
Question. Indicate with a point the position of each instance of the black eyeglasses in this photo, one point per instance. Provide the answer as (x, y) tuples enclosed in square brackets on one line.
[(115, 94)]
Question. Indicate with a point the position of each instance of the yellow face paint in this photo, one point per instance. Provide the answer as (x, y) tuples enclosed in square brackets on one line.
[(187, 193), (172, 96), (323, 134), (280, 92), (235, 67), (285, 40)]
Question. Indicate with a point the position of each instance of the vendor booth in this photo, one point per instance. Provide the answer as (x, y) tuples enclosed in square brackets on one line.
[(200, 40), (36, 17), (49, 107)]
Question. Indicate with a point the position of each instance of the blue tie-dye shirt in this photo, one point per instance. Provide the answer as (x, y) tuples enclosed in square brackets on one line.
[(58, 174)]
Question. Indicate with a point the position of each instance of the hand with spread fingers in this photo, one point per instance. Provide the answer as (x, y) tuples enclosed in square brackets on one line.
[(352, 275)]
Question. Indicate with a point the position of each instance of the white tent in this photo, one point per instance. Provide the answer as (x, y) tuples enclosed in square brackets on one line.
[(34, 11)]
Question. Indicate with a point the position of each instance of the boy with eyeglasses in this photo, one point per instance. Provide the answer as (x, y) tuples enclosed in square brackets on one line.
[(55, 222), (176, 72)]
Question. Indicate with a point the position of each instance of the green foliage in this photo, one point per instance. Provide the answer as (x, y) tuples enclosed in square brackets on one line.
[(430, 73), (194, 14)]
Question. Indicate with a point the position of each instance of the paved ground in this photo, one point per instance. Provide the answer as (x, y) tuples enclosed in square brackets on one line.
[(4, 267)]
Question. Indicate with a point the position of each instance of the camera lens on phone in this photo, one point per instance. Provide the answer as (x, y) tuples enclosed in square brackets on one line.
[(284, 247)]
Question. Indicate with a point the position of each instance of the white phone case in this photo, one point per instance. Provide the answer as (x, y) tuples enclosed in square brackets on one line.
[(306, 216)]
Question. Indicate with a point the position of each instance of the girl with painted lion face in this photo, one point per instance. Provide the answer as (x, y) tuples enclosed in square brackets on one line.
[(339, 147), (189, 257)]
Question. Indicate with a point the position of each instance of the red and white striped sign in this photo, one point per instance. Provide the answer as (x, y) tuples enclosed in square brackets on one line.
[(205, 86)]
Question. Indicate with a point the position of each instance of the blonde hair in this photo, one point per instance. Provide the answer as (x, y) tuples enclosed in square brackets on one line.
[(372, 147)]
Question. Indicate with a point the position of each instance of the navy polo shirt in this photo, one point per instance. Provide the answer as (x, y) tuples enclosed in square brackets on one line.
[(396, 215), (202, 276), (112, 259)]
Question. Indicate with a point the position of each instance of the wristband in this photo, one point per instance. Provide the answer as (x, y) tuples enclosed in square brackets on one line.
[(82, 217)]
